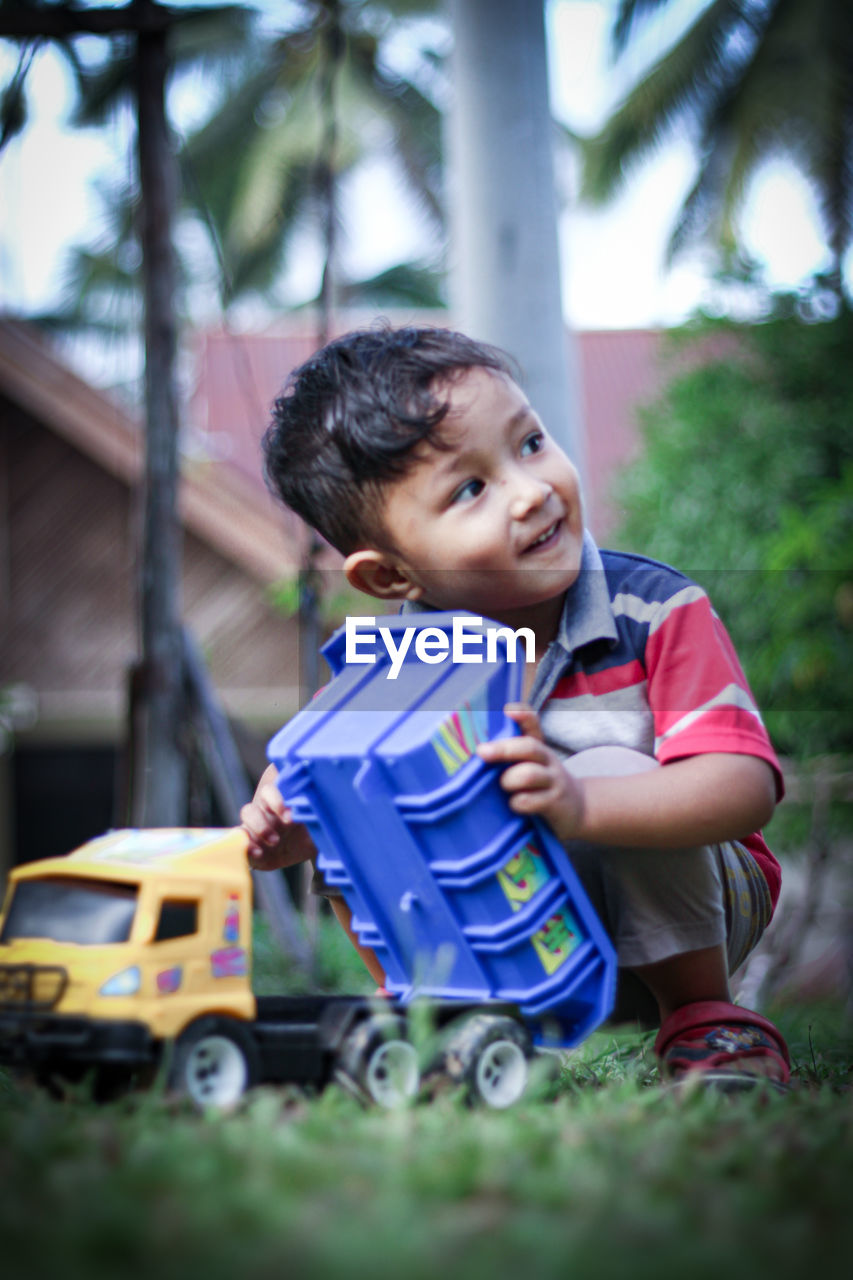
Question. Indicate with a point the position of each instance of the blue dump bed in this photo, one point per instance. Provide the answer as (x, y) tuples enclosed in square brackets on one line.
[(459, 897)]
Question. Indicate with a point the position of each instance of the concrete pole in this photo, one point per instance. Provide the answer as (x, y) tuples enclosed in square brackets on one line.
[(505, 262)]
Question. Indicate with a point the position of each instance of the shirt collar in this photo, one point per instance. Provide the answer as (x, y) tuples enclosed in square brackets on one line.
[(587, 611)]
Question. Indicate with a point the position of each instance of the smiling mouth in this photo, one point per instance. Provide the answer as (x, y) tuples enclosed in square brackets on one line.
[(547, 536)]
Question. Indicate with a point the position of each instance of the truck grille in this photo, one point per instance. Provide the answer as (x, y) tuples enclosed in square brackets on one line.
[(31, 987)]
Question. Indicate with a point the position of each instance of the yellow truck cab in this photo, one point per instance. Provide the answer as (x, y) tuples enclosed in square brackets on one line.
[(148, 926), (120, 946)]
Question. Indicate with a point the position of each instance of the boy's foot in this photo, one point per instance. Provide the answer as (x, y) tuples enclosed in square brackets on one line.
[(720, 1044)]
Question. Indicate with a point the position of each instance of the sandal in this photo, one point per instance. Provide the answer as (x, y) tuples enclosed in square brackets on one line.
[(723, 1045)]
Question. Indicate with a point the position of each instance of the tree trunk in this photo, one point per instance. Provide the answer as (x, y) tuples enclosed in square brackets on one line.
[(159, 783), (505, 265)]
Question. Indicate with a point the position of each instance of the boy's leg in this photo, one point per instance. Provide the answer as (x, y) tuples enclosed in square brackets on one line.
[(368, 957), (662, 905), (343, 915), (682, 921), (664, 910), (688, 977)]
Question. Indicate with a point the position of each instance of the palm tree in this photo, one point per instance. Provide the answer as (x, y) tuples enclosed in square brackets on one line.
[(297, 112), (313, 102), (749, 79)]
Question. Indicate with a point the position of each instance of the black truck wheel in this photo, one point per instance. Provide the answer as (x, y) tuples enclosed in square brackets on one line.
[(377, 1062), (215, 1061), (489, 1055)]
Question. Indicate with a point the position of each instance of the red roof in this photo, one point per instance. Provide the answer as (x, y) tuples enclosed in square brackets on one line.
[(216, 502), (239, 375)]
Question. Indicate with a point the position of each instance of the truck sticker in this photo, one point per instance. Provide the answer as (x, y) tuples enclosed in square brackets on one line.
[(142, 847), (229, 962), (556, 940), (231, 930), (524, 875), (169, 980), (460, 734)]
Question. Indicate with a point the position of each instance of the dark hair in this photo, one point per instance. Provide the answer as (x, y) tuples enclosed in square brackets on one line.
[(350, 418)]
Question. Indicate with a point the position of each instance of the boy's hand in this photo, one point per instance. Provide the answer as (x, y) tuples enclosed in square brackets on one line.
[(275, 840), (536, 777), (699, 800)]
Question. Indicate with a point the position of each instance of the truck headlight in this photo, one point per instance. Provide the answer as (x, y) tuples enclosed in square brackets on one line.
[(124, 983)]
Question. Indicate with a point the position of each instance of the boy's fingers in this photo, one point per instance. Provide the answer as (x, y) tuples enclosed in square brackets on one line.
[(269, 775), (526, 719), (263, 824), (509, 749), (525, 777), (269, 797), (260, 835)]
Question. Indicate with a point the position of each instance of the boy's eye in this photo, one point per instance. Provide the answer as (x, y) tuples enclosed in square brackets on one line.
[(466, 491), (533, 443)]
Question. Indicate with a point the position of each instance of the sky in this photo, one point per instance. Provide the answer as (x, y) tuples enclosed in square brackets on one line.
[(46, 201)]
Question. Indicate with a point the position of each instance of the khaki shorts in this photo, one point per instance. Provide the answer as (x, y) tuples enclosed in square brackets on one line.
[(656, 903)]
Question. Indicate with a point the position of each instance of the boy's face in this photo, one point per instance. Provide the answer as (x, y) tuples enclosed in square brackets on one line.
[(493, 523)]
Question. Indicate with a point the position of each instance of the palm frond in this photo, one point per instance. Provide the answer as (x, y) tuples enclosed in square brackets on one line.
[(686, 83), (199, 38), (701, 204), (628, 17), (408, 284), (256, 266), (825, 150), (101, 88), (748, 121), (204, 37), (101, 295), (271, 157), (413, 8), (414, 121), (13, 111), (750, 79)]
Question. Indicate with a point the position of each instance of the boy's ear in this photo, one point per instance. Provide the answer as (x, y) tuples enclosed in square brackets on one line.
[(377, 575)]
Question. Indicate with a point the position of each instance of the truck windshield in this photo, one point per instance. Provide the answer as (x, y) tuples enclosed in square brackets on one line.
[(65, 909)]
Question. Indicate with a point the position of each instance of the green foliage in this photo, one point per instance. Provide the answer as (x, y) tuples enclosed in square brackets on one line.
[(337, 968), (336, 598), (746, 484)]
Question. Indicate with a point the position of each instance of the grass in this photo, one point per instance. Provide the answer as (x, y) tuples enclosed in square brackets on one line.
[(337, 966), (602, 1173)]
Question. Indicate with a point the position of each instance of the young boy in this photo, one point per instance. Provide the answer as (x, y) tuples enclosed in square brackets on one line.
[(418, 456)]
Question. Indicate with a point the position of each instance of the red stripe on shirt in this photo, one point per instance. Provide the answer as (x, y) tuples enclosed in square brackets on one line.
[(598, 683), (671, 660)]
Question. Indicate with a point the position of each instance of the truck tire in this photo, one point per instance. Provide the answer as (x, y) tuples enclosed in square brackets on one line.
[(378, 1063), (489, 1056), (214, 1062)]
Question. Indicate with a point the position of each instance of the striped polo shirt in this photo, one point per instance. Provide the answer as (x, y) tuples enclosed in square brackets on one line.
[(641, 660)]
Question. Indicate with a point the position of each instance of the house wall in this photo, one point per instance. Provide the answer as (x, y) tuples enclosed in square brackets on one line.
[(68, 574)]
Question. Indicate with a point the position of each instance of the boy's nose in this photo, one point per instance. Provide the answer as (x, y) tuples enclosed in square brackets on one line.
[(528, 495)]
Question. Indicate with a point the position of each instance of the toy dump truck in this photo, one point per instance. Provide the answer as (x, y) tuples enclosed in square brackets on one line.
[(134, 951)]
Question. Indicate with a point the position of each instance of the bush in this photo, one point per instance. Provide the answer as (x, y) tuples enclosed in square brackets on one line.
[(746, 484)]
